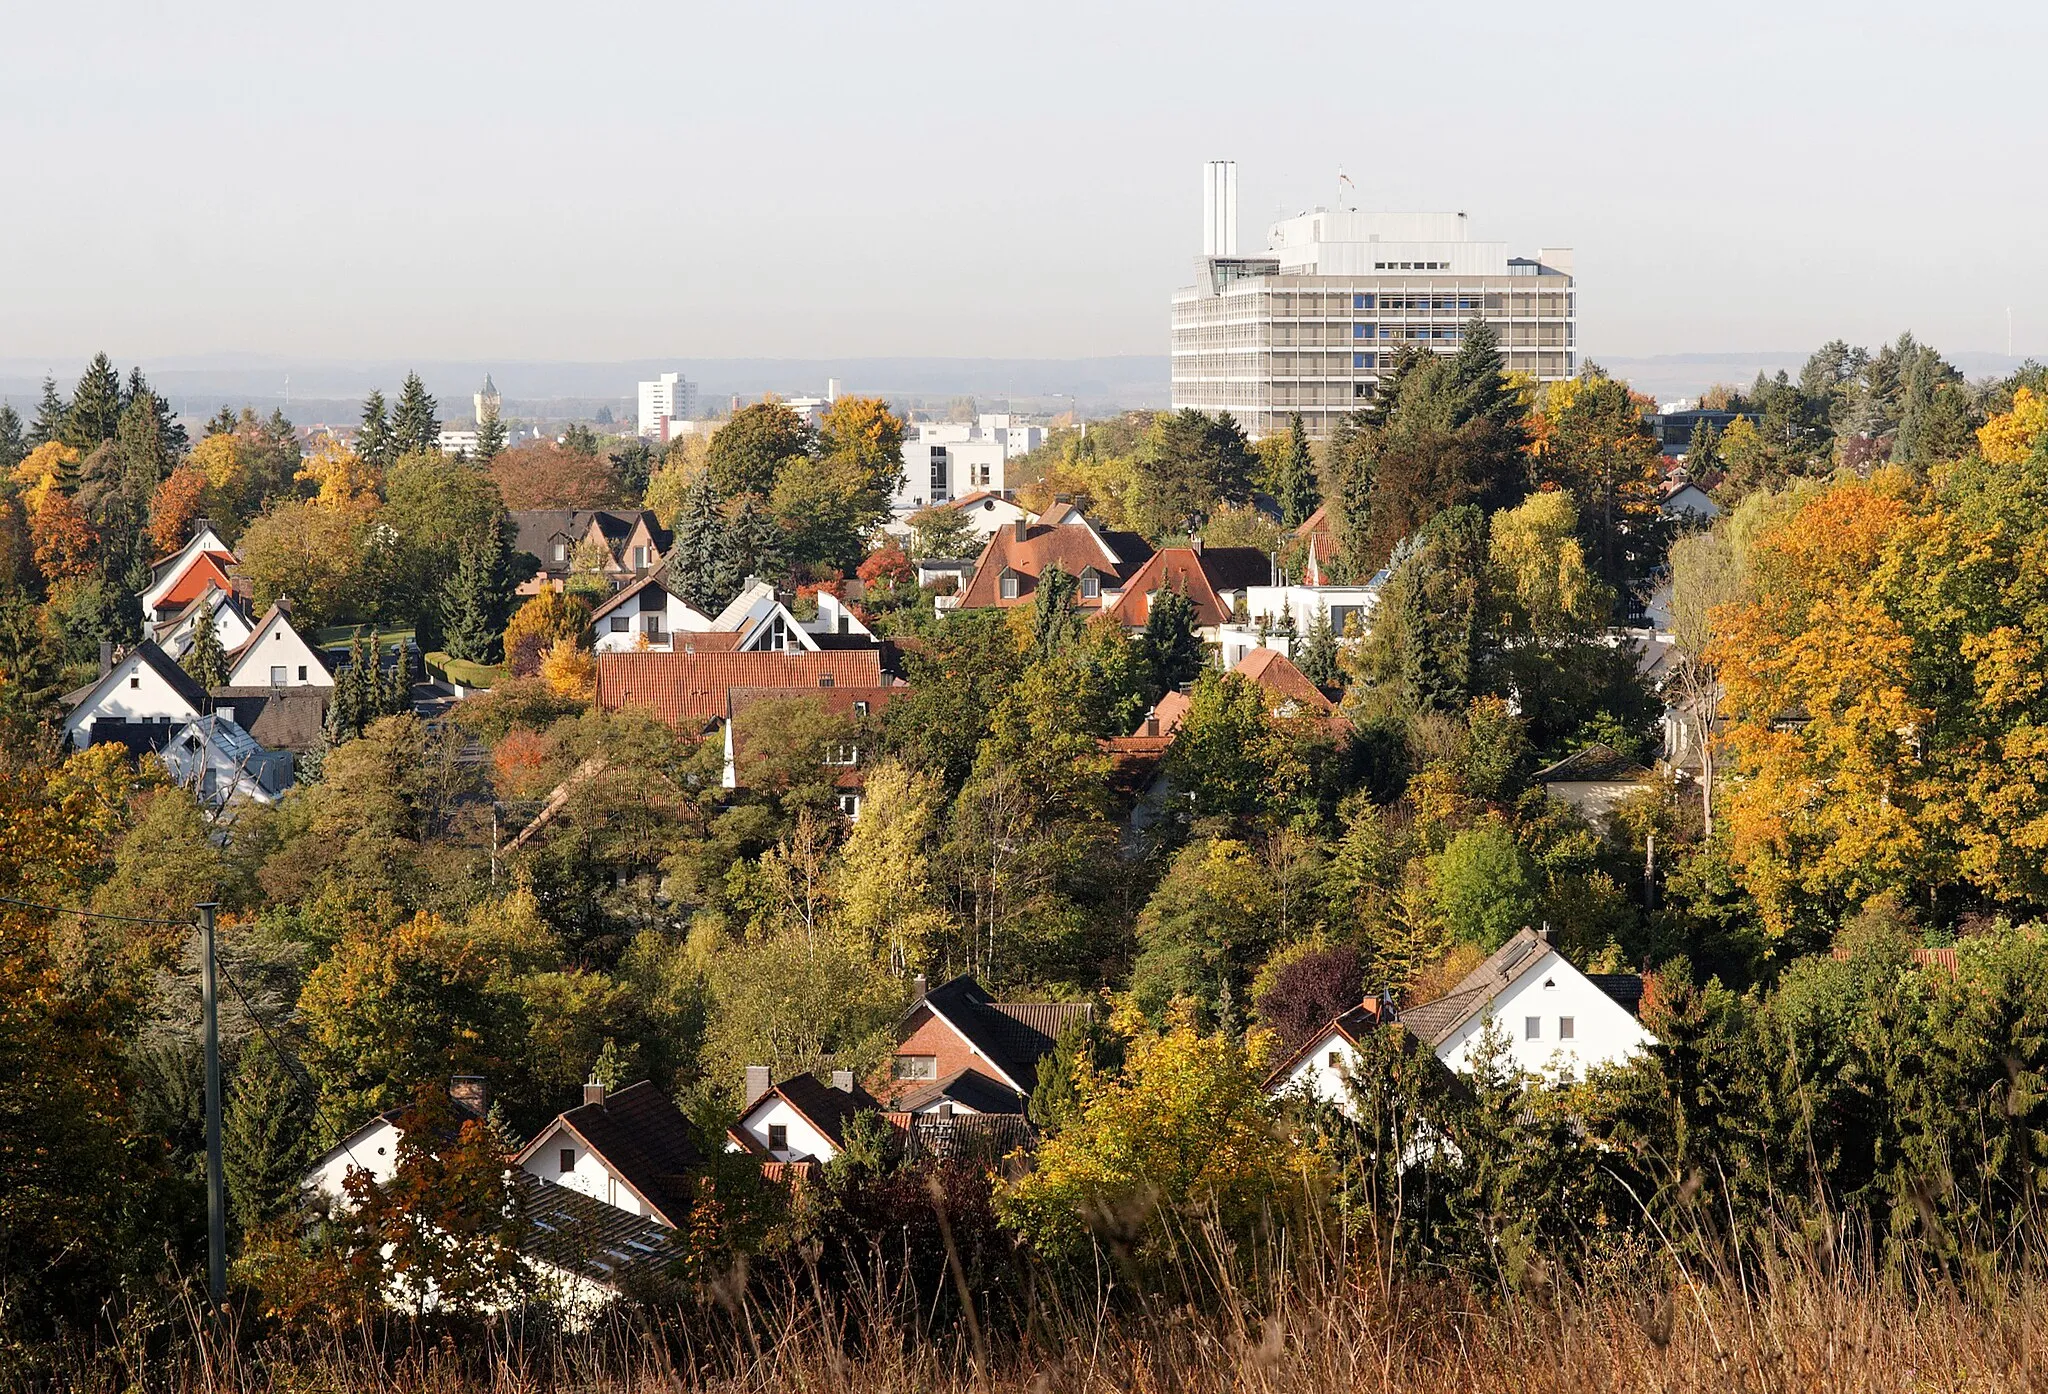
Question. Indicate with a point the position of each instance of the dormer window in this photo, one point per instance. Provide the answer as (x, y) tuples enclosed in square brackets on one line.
[(824, 680), (1091, 586), (1010, 588)]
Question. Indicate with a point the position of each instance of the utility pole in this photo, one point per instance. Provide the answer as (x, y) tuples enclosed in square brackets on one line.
[(216, 1180)]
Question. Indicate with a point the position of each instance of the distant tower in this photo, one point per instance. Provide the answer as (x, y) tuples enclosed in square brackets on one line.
[(488, 401), (1219, 208)]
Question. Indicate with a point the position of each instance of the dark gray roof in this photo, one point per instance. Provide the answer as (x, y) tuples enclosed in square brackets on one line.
[(1015, 1035), (643, 1136), (534, 527), (968, 1088), (1596, 763), (828, 1109), (280, 718), (1234, 568), (585, 1236), (1625, 988), (986, 1139)]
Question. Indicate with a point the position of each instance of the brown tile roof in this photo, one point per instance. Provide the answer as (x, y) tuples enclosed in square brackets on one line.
[(1354, 1024), (690, 690), (1272, 670), (205, 569), (1201, 574), (1014, 1036), (1076, 547)]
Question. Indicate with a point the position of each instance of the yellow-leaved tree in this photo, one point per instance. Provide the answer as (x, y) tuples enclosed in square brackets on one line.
[(570, 671), (883, 878), (2010, 437), (347, 481)]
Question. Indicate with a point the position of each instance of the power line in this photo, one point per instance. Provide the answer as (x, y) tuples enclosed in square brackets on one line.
[(94, 914), (292, 1062)]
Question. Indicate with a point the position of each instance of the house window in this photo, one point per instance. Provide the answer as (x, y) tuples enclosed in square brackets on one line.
[(135, 682), (1009, 587), (940, 475), (849, 805), (561, 553), (650, 624), (567, 1163), (622, 624), (1091, 587), (979, 474), (860, 708), (639, 558), (277, 675), (844, 754), (778, 634), (778, 1137), (916, 1067), (1532, 1028), (1567, 1028), (825, 680), (1336, 1060), (302, 672)]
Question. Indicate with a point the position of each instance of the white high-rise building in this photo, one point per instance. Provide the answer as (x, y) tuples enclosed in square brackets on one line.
[(1310, 324), (670, 397)]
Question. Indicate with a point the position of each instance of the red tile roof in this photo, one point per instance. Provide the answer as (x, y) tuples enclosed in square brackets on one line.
[(690, 690), (1201, 574), (1076, 547), (1272, 670), (207, 568)]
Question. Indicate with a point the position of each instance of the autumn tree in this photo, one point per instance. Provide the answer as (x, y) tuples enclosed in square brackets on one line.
[(750, 451), (543, 474), (541, 623), (1599, 449)]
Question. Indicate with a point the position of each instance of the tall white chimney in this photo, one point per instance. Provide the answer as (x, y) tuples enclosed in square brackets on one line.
[(1219, 208)]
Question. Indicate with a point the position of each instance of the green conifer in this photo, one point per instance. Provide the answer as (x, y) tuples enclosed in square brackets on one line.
[(373, 437), (222, 422), (415, 421), (490, 436), (95, 407), (473, 601), (1316, 655), (51, 413), (13, 443), (206, 661), (265, 1137), (699, 560), (1296, 484), (1172, 648)]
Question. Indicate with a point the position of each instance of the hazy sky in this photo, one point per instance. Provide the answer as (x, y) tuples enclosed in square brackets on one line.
[(605, 181)]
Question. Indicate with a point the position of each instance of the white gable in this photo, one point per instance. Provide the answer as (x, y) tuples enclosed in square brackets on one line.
[(1322, 1072), (278, 657), (228, 626), (835, 616), (131, 691), (165, 575), (561, 1158), (1538, 1008), (772, 1110), (372, 1148), (650, 613)]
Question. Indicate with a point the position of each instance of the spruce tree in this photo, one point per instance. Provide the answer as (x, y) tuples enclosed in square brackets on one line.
[(490, 436), (51, 413), (472, 604), (1316, 656), (1296, 486), (95, 407), (415, 422), (13, 443), (222, 422), (1172, 648), (753, 546), (1055, 624), (265, 1137), (373, 438), (206, 661), (699, 559)]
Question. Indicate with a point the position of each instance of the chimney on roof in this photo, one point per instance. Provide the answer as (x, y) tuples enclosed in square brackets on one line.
[(593, 1090), (1152, 724), (470, 1094), (918, 988), (842, 1080), (1023, 527), (1371, 1005), (757, 1082), (1196, 543), (199, 525), (106, 657), (1546, 934)]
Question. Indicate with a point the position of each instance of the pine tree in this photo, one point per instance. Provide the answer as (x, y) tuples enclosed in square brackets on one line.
[(753, 547), (95, 407), (490, 436), (1296, 485), (222, 422), (1317, 654), (13, 444), (265, 1137), (699, 559), (373, 438), (472, 604), (51, 413), (206, 661), (415, 422), (1055, 624), (1172, 648)]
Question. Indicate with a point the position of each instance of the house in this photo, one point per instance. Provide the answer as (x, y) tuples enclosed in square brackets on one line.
[(586, 1254), (222, 764), (800, 1119), (1281, 616), (987, 511), (1594, 780), (181, 586), (632, 1149), (959, 1051), (275, 656), (693, 691), (1552, 1016), (1215, 579), (231, 624), (626, 543), (764, 624), (137, 701), (1101, 561), (291, 719), (166, 572), (1686, 500), (644, 615), (854, 704), (372, 1148), (1286, 689)]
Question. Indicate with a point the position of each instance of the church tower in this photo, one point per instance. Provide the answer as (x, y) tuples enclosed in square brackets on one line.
[(488, 401)]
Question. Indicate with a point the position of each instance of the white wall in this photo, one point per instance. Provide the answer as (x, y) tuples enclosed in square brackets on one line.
[(589, 1175), (228, 626), (804, 1140), (1318, 1077), (676, 618), (278, 645), (137, 693), (372, 1148), (1603, 1030)]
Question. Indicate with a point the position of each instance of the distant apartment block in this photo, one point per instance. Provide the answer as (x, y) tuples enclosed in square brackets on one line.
[(945, 460), (1312, 323), (669, 398)]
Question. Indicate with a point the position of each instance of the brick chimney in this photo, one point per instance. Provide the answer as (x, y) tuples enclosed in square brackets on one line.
[(593, 1090), (470, 1094), (919, 988), (757, 1083), (842, 1080)]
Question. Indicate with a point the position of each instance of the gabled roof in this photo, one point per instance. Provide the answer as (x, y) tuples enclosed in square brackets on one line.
[(280, 718), (535, 528), (969, 1088), (692, 689), (1353, 1024), (1436, 1022), (645, 1140), (825, 1108), (204, 570), (1596, 763), (983, 1138), (653, 579), (1202, 574), (1012, 1036), (581, 1234), (1074, 546), (1274, 672), (148, 655), (278, 613), (213, 595)]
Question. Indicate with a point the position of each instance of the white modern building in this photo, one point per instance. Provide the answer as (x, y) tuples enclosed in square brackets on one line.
[(946, 460), (670, 397), (1312, 323)]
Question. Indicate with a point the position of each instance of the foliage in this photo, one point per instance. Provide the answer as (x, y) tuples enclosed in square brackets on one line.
[(542, 622), (543, 474), (749, 452), (206, 660)]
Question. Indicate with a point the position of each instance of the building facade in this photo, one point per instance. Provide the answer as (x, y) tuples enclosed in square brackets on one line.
[(1313, 323), (670, 397), (947, 460)]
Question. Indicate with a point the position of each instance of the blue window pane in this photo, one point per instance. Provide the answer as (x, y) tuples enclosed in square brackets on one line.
[(1361, 360), (1361, 331), (1361, 302)]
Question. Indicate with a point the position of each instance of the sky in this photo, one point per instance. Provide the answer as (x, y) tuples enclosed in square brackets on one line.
[(628, 180)]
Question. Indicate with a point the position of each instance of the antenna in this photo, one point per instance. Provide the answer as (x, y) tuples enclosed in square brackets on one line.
[(1347, 192)]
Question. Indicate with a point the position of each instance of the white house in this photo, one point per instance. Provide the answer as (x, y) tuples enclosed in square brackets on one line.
[(985, 510), (765, 625), (1554, 1018), (945, 460), (145, 688), (222, 764), (275, 656), (1688, 501), (165, 573), (799, 1119), (628, 1148), (1349, 608), (646, 610), (373, 1147), (231, 624)]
